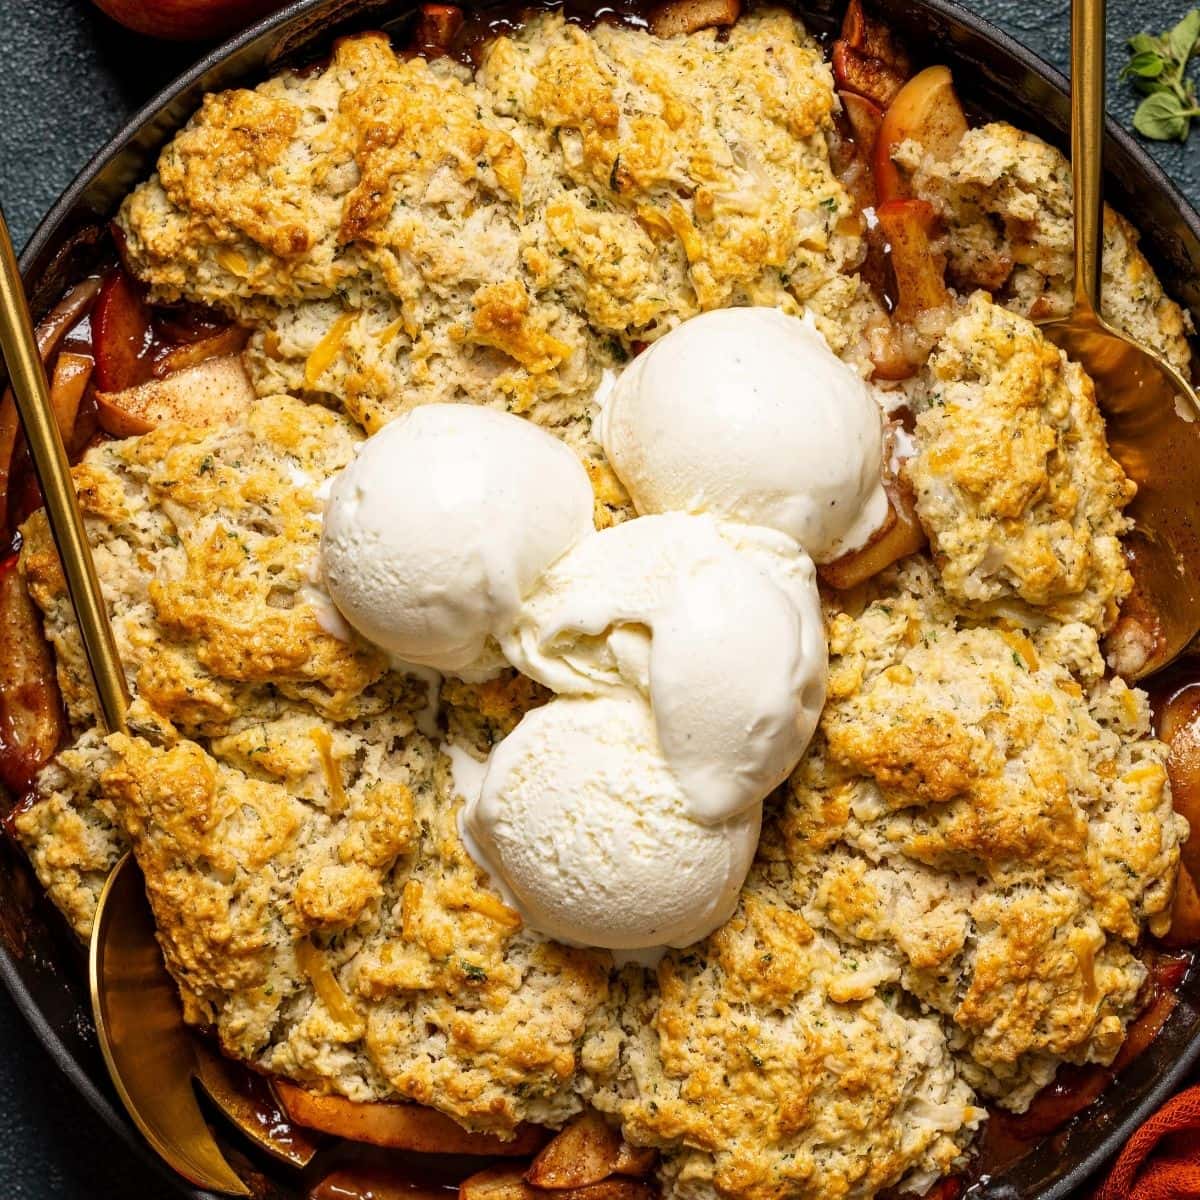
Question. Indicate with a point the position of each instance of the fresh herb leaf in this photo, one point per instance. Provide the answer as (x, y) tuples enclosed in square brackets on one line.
[(1157, 68), (1146, 65), (1181, 41), (1163, 118)]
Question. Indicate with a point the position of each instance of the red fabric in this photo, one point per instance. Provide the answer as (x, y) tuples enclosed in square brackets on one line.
[(1162, 1160)]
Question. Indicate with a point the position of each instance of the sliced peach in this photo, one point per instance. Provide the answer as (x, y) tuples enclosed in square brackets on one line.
[(865, 119), (72, 373), (899, 536), (121, 335), (1180, 729), (372, 1181), (509, 1183), (850, 148), (677, 17), (397, 1126), (214, 393), (31, 716), (1167, 972), (873, 78), (901, 345), (920, 274), (68, 384), (873, 38), (1145, 1027), (65, 315), (437, 27), (636, 1161), (10, 428), (926, 109), (51, 330), (1185, 913), (1073, 1090), (586, 1151), (852, 152), (223, 342)]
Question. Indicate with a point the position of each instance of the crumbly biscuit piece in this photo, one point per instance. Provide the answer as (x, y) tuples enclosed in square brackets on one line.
[(999, 829), (72, 836), (339, 934), (205, 542), (1005, 197), (298, 836), (1014, 482), (760, 1075), (400, 232)]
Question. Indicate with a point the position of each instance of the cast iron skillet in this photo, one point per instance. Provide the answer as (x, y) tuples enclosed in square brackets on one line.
[(39, 960)]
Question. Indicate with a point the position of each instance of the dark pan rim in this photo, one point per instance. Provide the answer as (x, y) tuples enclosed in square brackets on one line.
[(65, 211)]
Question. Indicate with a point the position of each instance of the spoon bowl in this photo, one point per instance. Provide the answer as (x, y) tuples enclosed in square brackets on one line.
[(259, 1117)]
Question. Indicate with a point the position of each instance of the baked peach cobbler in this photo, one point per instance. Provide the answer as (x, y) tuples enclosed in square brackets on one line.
[(625, 611)]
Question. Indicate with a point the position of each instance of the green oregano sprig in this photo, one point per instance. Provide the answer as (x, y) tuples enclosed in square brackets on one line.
[(1158, 69)]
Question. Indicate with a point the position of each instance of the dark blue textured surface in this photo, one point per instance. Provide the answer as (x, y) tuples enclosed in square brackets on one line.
[(68, 79)]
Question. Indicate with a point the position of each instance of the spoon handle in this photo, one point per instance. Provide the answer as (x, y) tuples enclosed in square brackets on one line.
[(54, 477), (1087, 146)]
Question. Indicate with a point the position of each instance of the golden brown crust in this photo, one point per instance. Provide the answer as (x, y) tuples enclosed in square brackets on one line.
[(1017, 891), (762, 1074), (958, 875), (1014, 482), (318, 911), (398, 232), (298, 837)]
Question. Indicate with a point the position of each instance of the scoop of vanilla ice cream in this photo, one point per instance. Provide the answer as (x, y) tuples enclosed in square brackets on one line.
[(585, 825), (745, 413), (726, 643), (442, 524)]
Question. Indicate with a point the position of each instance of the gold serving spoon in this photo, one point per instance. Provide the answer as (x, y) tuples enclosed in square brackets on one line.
[(149, 1052), (1150, 410)]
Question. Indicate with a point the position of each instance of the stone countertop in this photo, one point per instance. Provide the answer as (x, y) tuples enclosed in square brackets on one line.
[(70, 78)]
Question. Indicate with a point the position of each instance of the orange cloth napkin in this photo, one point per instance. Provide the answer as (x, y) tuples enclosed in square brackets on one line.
[(1162, 1159)]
